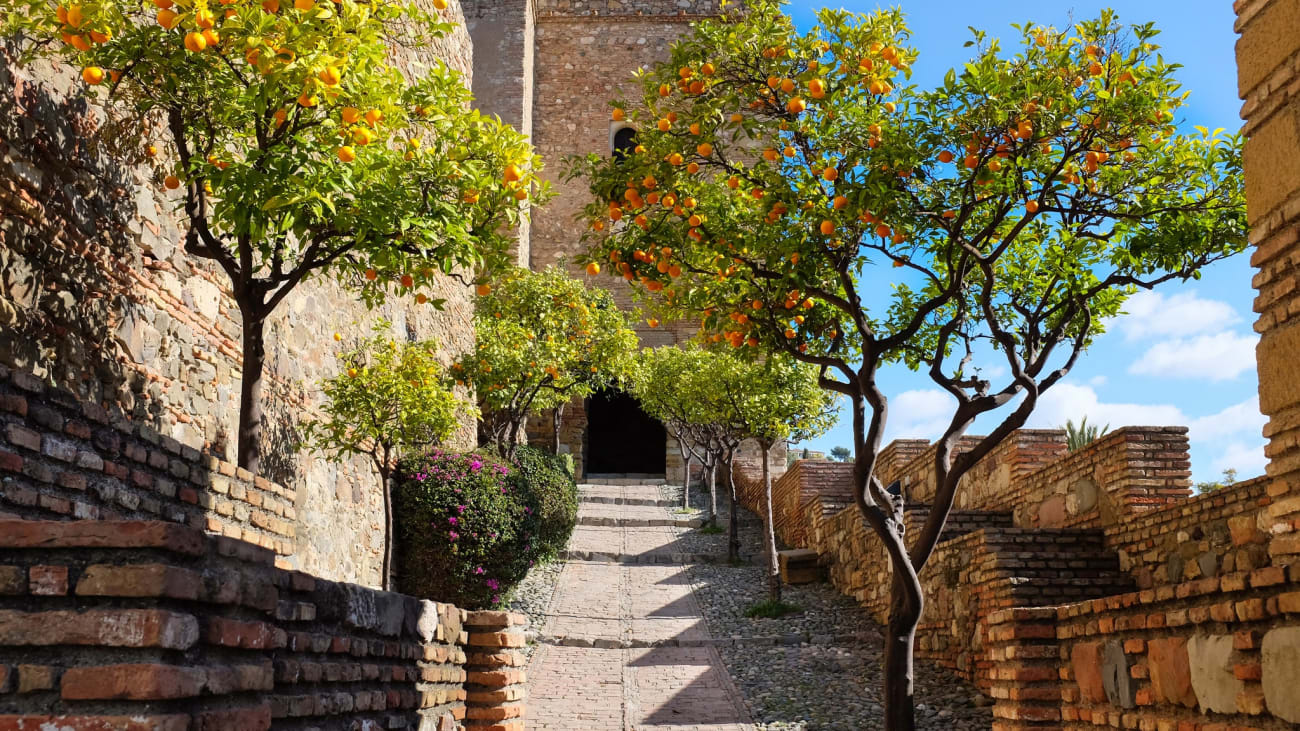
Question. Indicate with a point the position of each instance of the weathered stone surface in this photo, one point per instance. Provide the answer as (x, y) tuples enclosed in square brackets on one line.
[(1117, 675), (1171, 677), (1215, 685), (1085, 660), (1280, 665)]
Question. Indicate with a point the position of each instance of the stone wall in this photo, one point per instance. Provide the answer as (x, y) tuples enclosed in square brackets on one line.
[(502, 33), (97, 298), (151, 626), (64, 459)]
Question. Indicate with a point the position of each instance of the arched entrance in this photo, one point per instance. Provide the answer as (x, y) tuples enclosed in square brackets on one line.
[(621, 438)]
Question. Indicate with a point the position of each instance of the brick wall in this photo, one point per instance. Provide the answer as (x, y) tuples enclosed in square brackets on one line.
[(61, 458), (150, 625), (96, 297)]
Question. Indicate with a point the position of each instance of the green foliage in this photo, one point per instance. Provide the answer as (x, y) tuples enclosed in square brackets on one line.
[(841, 453), (259, 120), (771, 609), (543, 338), (549, 482), (388, 398), (1078, 437), (1229, 479), (466, 531), (711, 529)]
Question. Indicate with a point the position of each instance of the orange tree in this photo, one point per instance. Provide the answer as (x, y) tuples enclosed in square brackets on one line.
[(300, 147), (542, 338), (389, 399), (792, 192)]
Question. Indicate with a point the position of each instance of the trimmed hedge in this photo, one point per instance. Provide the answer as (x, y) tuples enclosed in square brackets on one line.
[(548, 479), (469, 526)]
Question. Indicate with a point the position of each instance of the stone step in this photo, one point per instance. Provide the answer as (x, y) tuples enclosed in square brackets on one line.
[(653, 557), (624, 480), (643, 501), (639, 522), (836, 640)]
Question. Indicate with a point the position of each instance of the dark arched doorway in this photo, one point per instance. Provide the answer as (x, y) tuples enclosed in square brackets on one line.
[(621, 438)]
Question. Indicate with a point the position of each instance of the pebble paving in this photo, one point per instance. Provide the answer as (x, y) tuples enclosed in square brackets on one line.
[(642, 626)]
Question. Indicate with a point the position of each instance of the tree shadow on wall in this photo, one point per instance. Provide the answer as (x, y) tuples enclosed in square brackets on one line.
[(70, 242)]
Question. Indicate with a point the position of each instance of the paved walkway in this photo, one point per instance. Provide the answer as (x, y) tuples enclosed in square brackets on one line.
[(625, 647)]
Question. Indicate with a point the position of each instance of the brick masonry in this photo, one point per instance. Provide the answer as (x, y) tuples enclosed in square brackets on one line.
[(152, 625), (96, 297)]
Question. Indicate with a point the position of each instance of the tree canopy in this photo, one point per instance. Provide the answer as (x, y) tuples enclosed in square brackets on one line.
[(542, 338)]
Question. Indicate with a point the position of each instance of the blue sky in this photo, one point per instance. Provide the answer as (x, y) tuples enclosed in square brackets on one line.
[(1185, 353)]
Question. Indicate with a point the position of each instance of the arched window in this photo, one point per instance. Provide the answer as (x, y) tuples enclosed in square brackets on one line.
[(624, 142)]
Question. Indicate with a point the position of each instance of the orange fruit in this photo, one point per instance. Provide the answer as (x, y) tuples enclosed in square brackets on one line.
[(830, 174), (1032, 206), (827, 228), (817, 88), (704, 149), (675, 159), (664, 125), (271, 6), (167, 18), (440, 4), (618, 115), (840, 202), (408, 281), (373, 117), (211, 38), (100, 37), (351, 114), (92, 75), (330, 75), (303, 5), (483, 290), (203, 19), (362, 136), (347, 154), (708, 69), (945, 156), (371, 275), (195, 42), (171, 182), (513, 174), (796, 105), (593, 269)]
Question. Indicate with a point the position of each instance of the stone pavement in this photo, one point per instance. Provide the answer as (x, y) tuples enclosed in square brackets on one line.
[(625, 646)]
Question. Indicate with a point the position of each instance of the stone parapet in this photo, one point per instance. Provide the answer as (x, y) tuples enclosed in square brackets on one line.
[(63, 458), (496, 681), (152, 625)]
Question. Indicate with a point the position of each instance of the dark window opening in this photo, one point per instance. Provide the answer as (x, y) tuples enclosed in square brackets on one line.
[(621, 438), (624, 142)]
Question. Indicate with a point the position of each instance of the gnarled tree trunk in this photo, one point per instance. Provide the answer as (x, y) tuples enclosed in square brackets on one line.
[(250, 388), (733, 521)]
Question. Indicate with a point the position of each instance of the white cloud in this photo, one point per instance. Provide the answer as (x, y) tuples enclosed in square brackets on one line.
[(1236, 419), (1074, 401), (1246, 458), (1219, 357), (919, 414), (1098, 381), (1153, 315)]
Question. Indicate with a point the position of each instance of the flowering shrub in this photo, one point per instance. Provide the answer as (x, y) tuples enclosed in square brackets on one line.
[(466, 531)]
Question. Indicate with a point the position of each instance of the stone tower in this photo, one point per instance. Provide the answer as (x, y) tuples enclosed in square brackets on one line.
[(550, 67)]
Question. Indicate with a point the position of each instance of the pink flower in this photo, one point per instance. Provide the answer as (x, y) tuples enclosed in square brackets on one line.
[(478, 571), (453, 520), (493, 584), (453, 535)]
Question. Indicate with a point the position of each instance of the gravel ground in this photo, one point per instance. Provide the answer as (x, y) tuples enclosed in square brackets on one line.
[(821, 670), (532, 596)]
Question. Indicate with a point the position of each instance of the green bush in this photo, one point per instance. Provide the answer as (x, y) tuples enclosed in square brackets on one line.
[(466, 531), (547, 479)]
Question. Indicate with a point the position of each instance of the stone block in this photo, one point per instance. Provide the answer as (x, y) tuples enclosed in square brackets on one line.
[(1171, 675), (1280, 666), (1086, 662), (1117, 674), (1213, 681)]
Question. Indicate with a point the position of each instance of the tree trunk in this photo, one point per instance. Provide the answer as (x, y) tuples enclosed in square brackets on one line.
[(386, 578), (250, 390), (555, 421), (733, 523), (713, 493), (773, 569), (686, 481), (900, 636)]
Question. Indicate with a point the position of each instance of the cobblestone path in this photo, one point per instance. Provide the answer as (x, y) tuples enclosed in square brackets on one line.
[(624, 646)]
